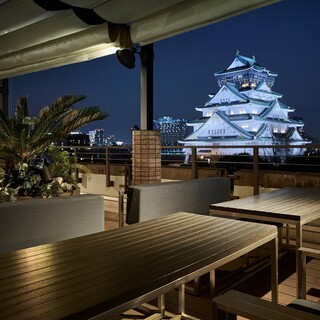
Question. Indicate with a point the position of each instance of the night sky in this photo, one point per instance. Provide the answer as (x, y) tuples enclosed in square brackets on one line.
[(283, 37)]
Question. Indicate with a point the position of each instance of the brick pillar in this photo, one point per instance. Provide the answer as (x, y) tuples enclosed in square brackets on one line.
[(146, 156)]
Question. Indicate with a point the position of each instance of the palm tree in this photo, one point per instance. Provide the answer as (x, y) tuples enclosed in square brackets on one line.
[(23, 137)]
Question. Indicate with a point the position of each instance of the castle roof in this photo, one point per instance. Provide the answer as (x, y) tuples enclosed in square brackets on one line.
[(217, 117), (284, 106), (245, 63), (262, 87), (261, 130), (227, 88), (199, 120)]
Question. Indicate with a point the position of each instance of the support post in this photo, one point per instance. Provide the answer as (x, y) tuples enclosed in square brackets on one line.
[(75, 162), (146, 152), (146, 157), (121, 208), (146, 83), (107, 168), (255, 170), (194, 172), (4, 95)]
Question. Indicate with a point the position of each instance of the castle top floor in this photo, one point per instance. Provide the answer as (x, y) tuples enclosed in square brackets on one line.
[(245, 72)]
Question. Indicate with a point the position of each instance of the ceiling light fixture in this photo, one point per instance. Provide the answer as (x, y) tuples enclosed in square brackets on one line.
[(127, 56)]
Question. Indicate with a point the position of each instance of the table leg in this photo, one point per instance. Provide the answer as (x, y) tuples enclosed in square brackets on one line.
[(161, 305), (212, 283), (300, 265), (274, 269), (121, 208), (182, 299)]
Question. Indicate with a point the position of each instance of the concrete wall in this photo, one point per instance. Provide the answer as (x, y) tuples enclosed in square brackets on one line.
[(33, 222), (96, 184)]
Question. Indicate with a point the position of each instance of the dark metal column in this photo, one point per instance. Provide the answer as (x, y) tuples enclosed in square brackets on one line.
[(4, 95), (146, 84)]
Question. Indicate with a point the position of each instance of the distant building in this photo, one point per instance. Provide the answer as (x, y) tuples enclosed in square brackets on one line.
[(172, 130), (92, 134), (97, 137), (244, 112), (77, 139), (110, 140)]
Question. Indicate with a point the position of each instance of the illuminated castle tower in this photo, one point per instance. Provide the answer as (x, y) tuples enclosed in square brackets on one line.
[(244, 112)]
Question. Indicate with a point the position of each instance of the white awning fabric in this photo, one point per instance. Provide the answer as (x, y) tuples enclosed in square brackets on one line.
[(34, 38), (188, 15)]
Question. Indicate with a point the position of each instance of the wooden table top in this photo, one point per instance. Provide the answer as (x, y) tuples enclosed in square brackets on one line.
[(115, 270), (288, 205)]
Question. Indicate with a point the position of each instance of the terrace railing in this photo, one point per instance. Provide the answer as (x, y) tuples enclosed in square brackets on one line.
[(300, 158)]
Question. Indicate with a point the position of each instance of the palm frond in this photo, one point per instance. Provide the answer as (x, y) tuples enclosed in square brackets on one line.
[(82, 116), (50, 118), (8, 154), (5, 127), (23, 137), (61, 104)]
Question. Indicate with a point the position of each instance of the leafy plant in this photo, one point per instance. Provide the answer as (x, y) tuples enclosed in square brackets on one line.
[(23, 138)]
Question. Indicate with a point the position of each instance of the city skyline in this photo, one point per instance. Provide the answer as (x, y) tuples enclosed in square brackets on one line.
[(282, 37)]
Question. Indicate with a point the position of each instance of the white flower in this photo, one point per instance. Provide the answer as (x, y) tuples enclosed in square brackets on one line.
[(66, 186), (60, 180)]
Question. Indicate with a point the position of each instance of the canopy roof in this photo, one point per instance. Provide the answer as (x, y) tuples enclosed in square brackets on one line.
[(42, 34)]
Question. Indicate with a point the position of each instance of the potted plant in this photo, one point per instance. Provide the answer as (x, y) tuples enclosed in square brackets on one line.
[(61, 169), (25, 139)]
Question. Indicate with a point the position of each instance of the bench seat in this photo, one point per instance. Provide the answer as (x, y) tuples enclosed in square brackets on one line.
[(233, 303)]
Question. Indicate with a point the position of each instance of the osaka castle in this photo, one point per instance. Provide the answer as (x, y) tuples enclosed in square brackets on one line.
[(244, 112)]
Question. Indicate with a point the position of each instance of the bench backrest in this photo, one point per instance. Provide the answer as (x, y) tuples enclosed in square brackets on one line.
[(150, 201)]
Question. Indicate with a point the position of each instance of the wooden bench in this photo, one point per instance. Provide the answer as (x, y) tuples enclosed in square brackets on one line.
[(306, 305), (233, 303), (310, 252), (303, 304)]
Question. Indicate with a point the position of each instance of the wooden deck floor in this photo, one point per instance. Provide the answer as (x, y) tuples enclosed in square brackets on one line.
[(257, 283)]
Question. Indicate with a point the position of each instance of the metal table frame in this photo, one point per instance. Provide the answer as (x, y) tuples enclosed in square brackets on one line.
[(296, 206)]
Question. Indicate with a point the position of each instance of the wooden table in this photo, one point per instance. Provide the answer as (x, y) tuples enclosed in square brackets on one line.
[(296, 206), (104, 274)]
